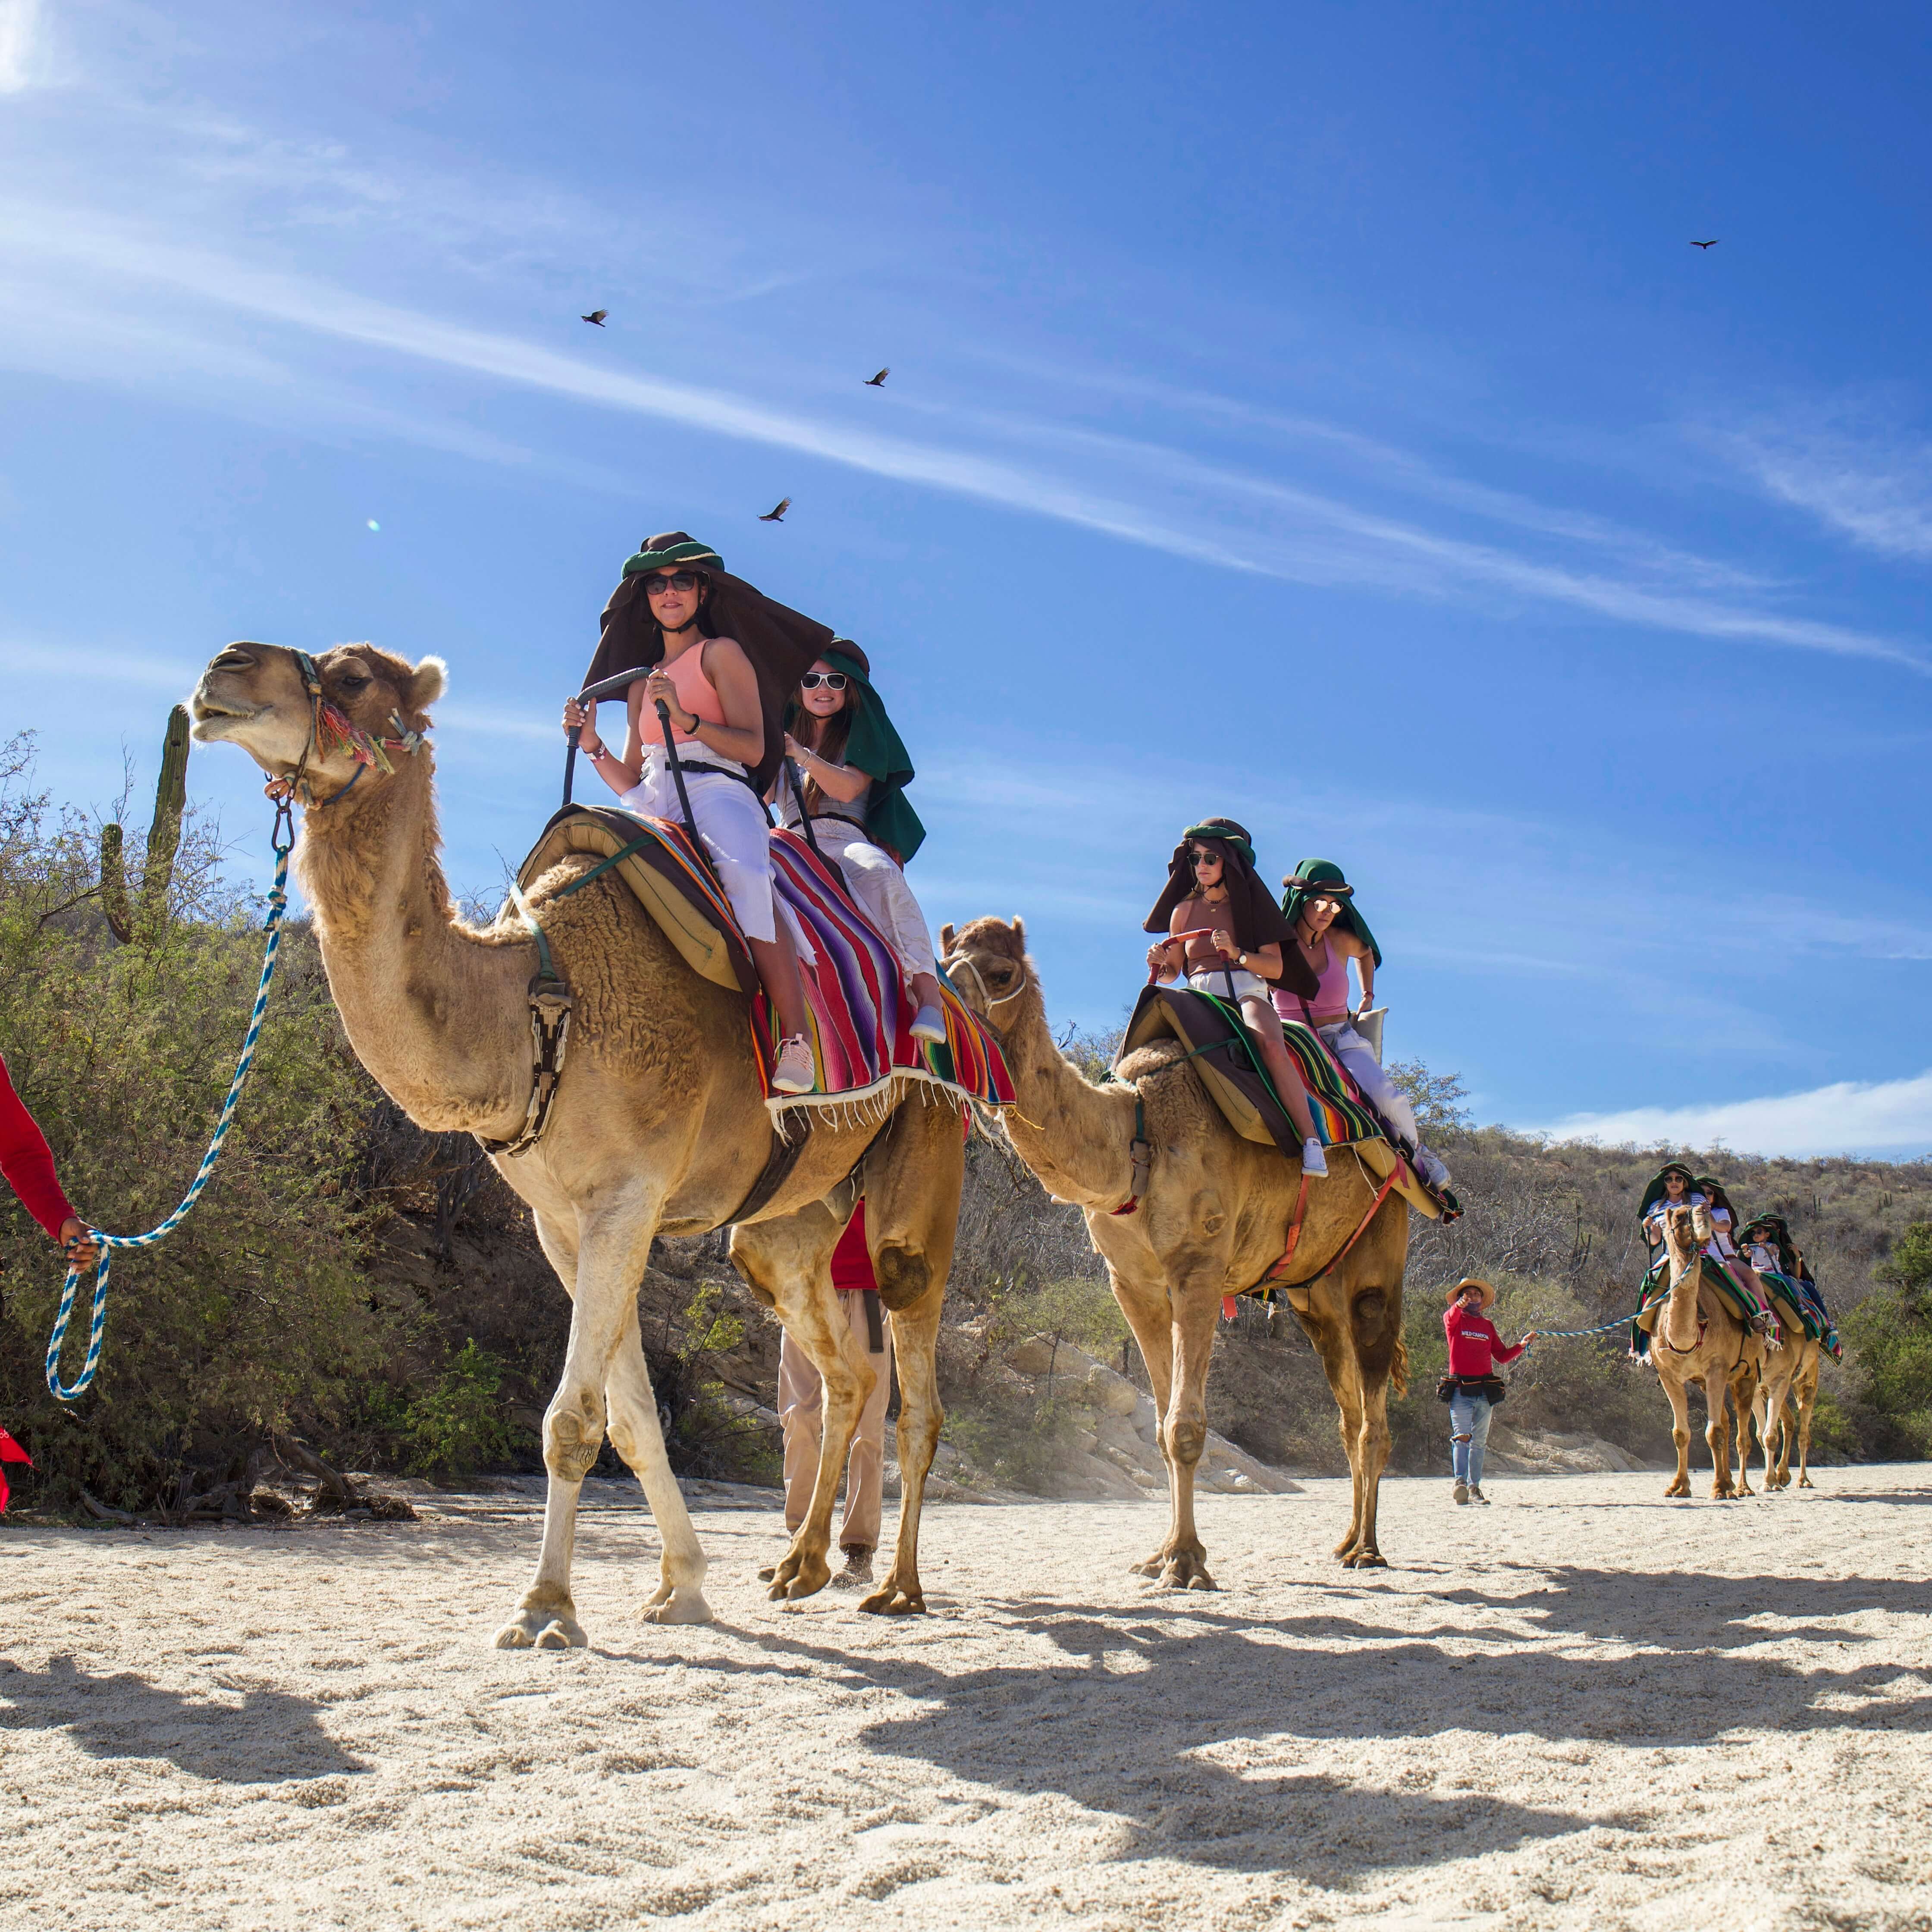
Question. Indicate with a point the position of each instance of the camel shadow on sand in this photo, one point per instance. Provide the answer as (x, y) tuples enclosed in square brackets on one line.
[(269, 1738), (1202, 1731)]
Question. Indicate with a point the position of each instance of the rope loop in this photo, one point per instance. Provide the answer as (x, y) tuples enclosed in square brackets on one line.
[(278, 904)]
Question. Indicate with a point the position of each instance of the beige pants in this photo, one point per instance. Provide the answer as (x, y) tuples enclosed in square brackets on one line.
[(801, 1408)]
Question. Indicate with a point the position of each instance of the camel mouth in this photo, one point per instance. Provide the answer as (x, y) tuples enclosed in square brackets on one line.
[(213, 720)]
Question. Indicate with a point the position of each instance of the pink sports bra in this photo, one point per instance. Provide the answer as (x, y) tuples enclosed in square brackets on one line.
[(1330, 1002)]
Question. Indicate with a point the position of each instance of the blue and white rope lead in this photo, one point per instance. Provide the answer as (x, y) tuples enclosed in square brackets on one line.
[(1571, 1334), (278, 904)]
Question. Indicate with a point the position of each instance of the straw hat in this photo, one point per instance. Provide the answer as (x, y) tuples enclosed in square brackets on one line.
[(1488, 1295)]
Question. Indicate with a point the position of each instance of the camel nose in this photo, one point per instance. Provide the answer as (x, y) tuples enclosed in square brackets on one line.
[(236, 657)]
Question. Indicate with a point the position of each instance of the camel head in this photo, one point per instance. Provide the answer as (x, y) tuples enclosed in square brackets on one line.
[(1685, 1230), (254, 695), (988, 965)]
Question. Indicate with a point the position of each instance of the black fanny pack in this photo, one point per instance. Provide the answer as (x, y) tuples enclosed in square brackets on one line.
[(1492, 1386)]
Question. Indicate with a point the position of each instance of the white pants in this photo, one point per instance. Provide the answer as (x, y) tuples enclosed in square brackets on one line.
[(1365, 1070), (878, 883), (730, 827)]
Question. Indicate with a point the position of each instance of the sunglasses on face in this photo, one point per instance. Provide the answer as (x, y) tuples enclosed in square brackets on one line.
[(832, 680), (657, 583)]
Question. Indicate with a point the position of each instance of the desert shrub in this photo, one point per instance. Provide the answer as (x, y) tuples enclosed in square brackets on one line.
[(1887, 1411), (456, 1425)]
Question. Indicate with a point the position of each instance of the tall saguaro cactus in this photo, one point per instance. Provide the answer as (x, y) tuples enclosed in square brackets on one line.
[(148, 918)]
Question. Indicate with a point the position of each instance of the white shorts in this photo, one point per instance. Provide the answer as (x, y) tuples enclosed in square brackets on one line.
[(730, 827), (1229, 983)]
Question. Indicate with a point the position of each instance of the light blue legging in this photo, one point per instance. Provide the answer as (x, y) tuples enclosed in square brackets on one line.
[(1469, 1436)]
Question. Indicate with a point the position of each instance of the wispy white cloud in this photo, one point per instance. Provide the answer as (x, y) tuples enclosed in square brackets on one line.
[(1876, 488), (159, 672), (1177, 503), (1848, 1117), (22, 52)]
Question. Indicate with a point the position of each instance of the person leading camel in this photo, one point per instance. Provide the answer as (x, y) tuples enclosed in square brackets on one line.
[(1225, 933), (1475, 1387), (28, 1163), (717, 722), (853, 769), (1331, 930)]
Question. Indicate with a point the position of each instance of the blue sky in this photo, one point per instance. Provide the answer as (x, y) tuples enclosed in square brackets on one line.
[(1315, 414)]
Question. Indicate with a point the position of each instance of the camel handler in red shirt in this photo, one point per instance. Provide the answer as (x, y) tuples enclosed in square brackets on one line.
[(801, 1399), (28, 1163), (1472, 1388)]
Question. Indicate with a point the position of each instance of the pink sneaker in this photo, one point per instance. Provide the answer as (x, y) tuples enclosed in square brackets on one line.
[(796, 1072)]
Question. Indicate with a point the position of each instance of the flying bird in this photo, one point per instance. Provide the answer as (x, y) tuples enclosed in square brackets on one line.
[(596, 315), (878, 381), (1712, 243), (777, 516)]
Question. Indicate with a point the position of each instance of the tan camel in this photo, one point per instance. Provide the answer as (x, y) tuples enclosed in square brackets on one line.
[(658, 1127), (1698, 1339), (1213, 1218)]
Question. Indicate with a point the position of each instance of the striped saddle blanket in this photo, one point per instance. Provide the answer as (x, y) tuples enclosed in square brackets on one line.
[(860, 1011), (1226, 1059), (1805, 1302)]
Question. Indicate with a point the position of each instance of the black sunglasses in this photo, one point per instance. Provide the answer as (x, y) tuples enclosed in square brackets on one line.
[(832, 680), (657, 583)]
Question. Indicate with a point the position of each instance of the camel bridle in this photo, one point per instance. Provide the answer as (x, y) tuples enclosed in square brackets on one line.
[(963, 962), (364, 747)]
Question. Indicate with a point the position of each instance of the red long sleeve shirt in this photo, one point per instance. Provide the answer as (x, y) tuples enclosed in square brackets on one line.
[(1473, 1340), (851, 1260), (28, 1161)]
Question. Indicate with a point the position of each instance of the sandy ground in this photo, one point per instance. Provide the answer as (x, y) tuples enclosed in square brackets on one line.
[(1583, 1707)]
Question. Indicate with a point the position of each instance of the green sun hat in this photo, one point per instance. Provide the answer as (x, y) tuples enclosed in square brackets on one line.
[(1653, 1193), (875, 748), (674, 548), (1321, 878)]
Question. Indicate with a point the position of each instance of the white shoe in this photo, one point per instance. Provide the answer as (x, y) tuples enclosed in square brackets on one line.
[(1430, 1168), (795, 1072), (931, 1025), (1314, 1161)]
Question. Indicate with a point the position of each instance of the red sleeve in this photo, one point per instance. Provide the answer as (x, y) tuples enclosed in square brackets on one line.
[(851, 1261), (28, 1163), (1502, 1352)]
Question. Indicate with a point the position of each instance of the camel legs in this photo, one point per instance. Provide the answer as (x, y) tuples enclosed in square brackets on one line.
[(912, 1176), (790, 1261), (1175, 1330), (1745, 1382), (1718, 1434), (601, 1268), (1680, 1434), (915, 1349), (636, 1436), (1806, 1396)]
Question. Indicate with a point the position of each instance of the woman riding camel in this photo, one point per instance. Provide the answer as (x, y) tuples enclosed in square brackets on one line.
[(1329, 931), (1768, 1245), (1227, 935), (1725, 1220), (852, 768), (669, 618)]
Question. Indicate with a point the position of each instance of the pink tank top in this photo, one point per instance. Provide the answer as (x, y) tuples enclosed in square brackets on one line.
[(1331, 992), (695, 693)]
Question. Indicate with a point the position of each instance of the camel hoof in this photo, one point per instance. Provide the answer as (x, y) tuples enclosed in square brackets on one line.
[(1186, 1570), (1151, 1567), (1367, 1559), (1202, 1581), (562, 1634), (766, 1575), (681, 1607), (1679, 1489), (894, 1601), (1806, 1483), (528, 1629)]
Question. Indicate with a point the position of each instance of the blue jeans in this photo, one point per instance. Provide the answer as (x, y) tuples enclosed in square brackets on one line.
[(1468, 1435)]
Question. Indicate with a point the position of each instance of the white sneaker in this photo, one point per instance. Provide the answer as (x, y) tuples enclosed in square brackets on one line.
[(1314, 1161), (931, 1025), (1430, 1168), (796, 1072)]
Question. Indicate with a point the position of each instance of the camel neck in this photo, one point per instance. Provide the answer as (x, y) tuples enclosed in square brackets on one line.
[(1073, 1134), (1680, 1313), (419, 993)]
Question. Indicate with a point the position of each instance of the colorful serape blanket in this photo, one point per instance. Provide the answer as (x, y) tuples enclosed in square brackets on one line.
[(860, 1011), (1732, 1289), (1808, 1305)]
